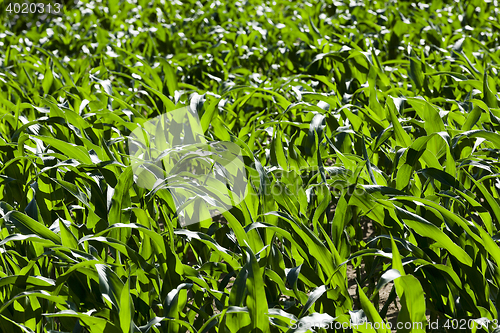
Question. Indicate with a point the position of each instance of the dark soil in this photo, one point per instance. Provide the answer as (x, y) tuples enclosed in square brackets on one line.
[(393, 309)]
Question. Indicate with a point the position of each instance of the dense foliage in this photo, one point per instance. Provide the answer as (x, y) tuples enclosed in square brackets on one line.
[(348, 115)]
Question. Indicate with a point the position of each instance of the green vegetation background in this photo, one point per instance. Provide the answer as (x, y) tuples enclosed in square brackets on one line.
[(347, 113)]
